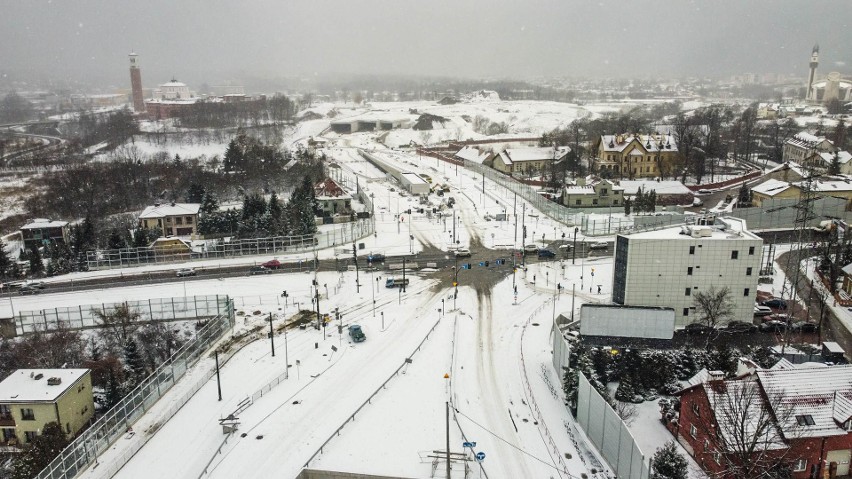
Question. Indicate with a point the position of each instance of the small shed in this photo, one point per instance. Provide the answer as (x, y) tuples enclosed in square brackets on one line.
[(831, 351)]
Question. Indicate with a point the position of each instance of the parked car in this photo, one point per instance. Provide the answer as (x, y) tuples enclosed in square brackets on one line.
[(35, 284), (784, 318), (696, 328), (775, 303), (762, 311), (356, 333), (804, 327), (184, 272), (546, 253), (599, 245), (27, 289), (565, 246), (530, 248), (272, 264), (463, 253), (375, 258), (740, 327), (258, 270), (773, 326)]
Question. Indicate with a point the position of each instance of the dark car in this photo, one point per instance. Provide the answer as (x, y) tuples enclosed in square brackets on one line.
[(546, 253), (376, 258), (773, 326), (697, 328), (776, 303), (740, 327), (258, 270), (28, 289), (804, 326)]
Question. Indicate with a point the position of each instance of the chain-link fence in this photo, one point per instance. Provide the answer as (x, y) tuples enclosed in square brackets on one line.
[(88, 316), (84, 449), (609, 434), (343, 233)]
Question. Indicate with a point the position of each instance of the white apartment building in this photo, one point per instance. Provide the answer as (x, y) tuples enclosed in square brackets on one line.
[(668, 267)]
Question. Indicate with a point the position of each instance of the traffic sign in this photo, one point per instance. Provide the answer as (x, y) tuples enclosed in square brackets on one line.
[(480, 456), (455, 283), (469, 444)]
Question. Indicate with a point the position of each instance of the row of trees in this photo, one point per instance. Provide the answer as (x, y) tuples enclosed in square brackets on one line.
[(642, 203), (208, 114)]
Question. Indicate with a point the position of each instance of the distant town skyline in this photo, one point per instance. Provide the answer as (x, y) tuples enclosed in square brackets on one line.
[(196, 42)]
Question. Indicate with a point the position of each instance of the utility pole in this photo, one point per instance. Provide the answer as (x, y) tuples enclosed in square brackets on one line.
[(448, 439), (355, 258), (316, 302), (574, 248), (515, 214), (271, 335), (524, 224), (454, 226), (403, 274), (218, 381), (573, 292), (286, 356)]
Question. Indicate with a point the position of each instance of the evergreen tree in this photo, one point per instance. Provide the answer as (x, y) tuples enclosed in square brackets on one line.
[(839, 137), (668, 463), (628, 205), (639, 201), (233, 158), (113, 393), (116, 240), (5, 260), (834, 166), (195, 193), (36, 263), (133, 362), (42, 450), (209, 204), (652, 202), (276, 215)]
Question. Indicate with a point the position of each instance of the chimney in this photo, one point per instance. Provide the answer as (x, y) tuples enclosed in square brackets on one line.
[(55, 381), (717, 375)]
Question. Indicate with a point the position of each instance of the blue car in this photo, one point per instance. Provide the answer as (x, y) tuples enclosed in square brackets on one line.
[(546, 253)]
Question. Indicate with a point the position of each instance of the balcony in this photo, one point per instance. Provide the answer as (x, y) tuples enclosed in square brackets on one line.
[(6, 420)]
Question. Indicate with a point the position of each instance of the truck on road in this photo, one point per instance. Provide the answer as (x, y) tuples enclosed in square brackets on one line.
[(396, 282)]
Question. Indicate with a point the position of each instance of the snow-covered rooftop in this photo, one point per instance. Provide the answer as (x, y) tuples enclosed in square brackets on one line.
[(803, 139), (650, 143), (473, 154), (536, 154), (661, 187), (23, 387), (681, 233), (40, 223), (771, 187), (810, 392), (170, 209)]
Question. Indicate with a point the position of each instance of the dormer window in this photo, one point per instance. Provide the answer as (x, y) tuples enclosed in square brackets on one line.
[(805, 420)]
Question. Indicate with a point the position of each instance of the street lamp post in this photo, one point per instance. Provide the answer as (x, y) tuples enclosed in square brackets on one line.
[(574, 248)]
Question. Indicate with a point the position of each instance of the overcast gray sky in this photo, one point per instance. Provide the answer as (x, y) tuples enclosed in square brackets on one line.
[(218, 40)]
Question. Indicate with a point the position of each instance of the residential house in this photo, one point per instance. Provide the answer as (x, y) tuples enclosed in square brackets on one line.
[(821, 162), (635, 156), (788, 171), (592, 193), (42, 231), (31, 398), (803, 144), (475, 155), (773, 189), (332, 199), (529, 161), (800, 415), (173, 219)]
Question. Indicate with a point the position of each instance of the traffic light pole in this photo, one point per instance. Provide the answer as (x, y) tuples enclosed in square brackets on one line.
[(355, 257), (271, 335)]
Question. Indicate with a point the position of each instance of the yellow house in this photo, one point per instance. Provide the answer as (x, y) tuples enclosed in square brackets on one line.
[(173, 219), (635, 156), (596, 193), (769, 189), (772, 189), (31, 398), (528, 161)]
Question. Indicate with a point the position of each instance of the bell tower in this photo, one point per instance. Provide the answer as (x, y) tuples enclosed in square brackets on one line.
[(809, 93), (136, 84)]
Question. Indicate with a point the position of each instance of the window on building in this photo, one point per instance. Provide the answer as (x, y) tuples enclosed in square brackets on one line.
[(692, 250), (686, 311), (189, 220), (27, 414), (693, 431), (805, 420), (614, 202), (751, 250), (748, 271), (578, 202), (717, 457), (695, 409), (594, 201), (746, 292), (179, 220), (29, 436), (687, 292), (735, 254), (603, 191), (689, 271), (706, 444), (5, 412), (800, 465)]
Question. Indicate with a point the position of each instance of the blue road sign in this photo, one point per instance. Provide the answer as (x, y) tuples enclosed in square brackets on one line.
[(480, 456), (482, 263), (469, 444)]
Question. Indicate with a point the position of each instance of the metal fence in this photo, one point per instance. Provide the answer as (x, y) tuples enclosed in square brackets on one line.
[(343, 233), (85, 448), (86, 316), (609, 434)]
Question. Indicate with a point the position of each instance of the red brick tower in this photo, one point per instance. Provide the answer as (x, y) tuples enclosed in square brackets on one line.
[(136, 85)]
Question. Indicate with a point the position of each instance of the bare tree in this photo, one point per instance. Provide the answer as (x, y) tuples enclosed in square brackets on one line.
[(626, 411), (117, 326), (744, 428), (714, 308)]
